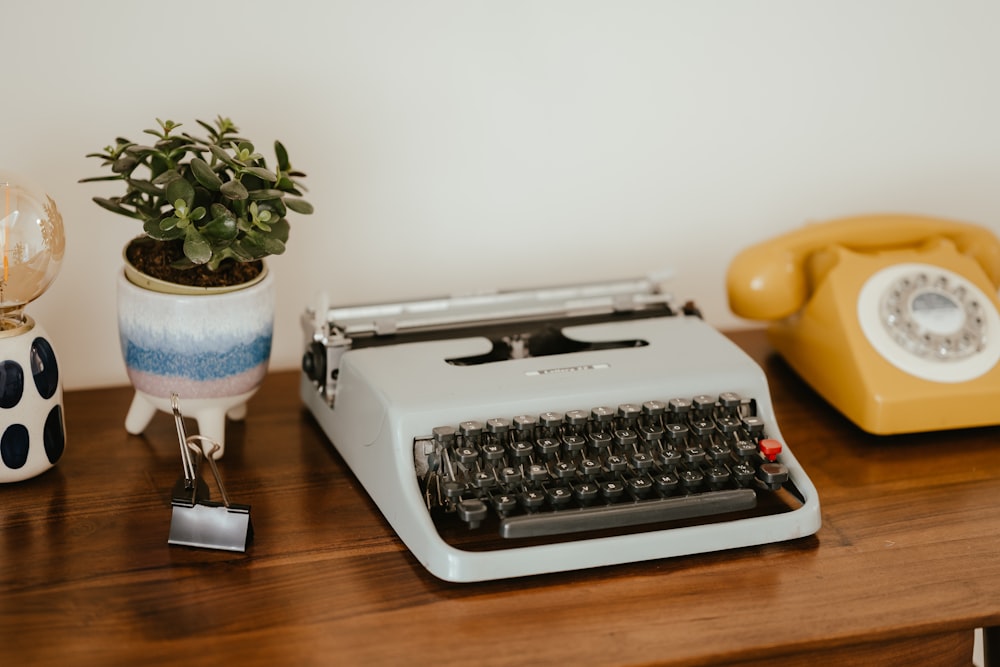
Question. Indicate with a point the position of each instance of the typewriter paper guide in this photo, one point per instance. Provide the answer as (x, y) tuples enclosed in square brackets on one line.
[(389, 395)]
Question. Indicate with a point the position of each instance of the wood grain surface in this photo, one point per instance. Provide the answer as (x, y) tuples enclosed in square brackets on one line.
[(906, 564)]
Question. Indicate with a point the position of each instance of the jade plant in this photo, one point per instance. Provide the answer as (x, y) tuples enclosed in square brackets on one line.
[(209, 202)]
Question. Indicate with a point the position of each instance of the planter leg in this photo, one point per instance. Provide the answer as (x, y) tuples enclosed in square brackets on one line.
[(238, 412), (140, 413), (212, 424)]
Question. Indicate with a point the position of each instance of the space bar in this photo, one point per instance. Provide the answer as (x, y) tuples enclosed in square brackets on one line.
[(627, 514)]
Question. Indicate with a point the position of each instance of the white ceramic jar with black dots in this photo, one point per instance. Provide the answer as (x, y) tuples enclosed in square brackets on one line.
[(31, 403)]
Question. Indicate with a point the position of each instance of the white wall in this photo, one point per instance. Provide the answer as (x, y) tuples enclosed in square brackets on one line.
[(454, 145)]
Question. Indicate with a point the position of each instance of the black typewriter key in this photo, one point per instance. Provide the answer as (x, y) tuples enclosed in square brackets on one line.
[(669, 457), (550, 422), (691, 479), (573, 443), (728, 424), (772, 475), (641, 460), (730, 400), (471, 429), (612, 490), (615, 463), (493, 451), (467, 454), (599, 440), (559, 496), (753, 424), (743, 473), (718, 452), (650, 432), (702, 427), (532, 500), (602, 416), (678, 406), (703, 403), (590, 467), (717, 477), (547, 446), (522, 449), (525, 424), (586, 493), (452, 489), (625, 437), (640, 486), (629, 413), (666, 483), (484, 480), (537, 473), (563, 470), (504, 503), (744, 449), (676, 432), (693, 455), (472, 511), (510, 475), (653, 408), (576, 420), (497, 426), (444, 435)]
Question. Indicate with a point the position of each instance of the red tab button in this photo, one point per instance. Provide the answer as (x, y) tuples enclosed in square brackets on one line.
[(770, 448)]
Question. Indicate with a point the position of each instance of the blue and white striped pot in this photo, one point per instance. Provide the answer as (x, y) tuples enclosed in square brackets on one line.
[(210, 348)]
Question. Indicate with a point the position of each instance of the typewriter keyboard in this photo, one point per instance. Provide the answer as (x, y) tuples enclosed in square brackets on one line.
[(606, 467)]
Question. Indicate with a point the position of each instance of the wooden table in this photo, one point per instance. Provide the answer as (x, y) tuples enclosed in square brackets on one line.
[(906, 564)]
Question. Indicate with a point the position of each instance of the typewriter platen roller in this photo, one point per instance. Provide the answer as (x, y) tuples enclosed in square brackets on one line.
[(527, 432)]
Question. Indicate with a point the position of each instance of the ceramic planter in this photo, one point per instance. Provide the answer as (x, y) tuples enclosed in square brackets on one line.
[(210, 348)]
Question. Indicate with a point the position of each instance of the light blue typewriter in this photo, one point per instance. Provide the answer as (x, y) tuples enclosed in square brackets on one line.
[(536, 431)]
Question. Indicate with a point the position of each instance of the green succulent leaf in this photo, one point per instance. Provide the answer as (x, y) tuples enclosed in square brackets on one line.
[(196, 247), (263, 174), (272, 245), (279, 230), (152, 229), (140, 188), (165, 177), (221, 154), (265, 194), (299, 206), (169, 223), (220, 230), (124, 165), (282, 156), (234, 190), (179, 189), (113, 206), (204, 174)]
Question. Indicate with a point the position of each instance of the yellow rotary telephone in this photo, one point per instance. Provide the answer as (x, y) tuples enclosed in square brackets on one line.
[(893, 319)]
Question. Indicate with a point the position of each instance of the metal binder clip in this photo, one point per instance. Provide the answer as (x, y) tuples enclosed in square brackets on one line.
[(198, 521)]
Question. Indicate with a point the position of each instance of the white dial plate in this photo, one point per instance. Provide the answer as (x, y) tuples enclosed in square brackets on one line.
[(930, 322)]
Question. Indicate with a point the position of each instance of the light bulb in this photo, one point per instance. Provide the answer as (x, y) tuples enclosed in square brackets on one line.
[(32, 245)]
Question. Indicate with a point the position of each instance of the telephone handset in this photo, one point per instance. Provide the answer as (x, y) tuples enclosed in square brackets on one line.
[(894, 319)]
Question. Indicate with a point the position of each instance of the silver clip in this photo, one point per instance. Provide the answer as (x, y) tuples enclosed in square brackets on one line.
[(196, 520)]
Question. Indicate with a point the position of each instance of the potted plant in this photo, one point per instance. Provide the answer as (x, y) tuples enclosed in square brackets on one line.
[(195, 299)]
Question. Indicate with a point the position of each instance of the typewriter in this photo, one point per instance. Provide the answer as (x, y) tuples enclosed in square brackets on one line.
[(521, 433)]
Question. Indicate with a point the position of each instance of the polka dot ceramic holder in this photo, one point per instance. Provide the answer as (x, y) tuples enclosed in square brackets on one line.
[(211, 350), (31, 404)]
